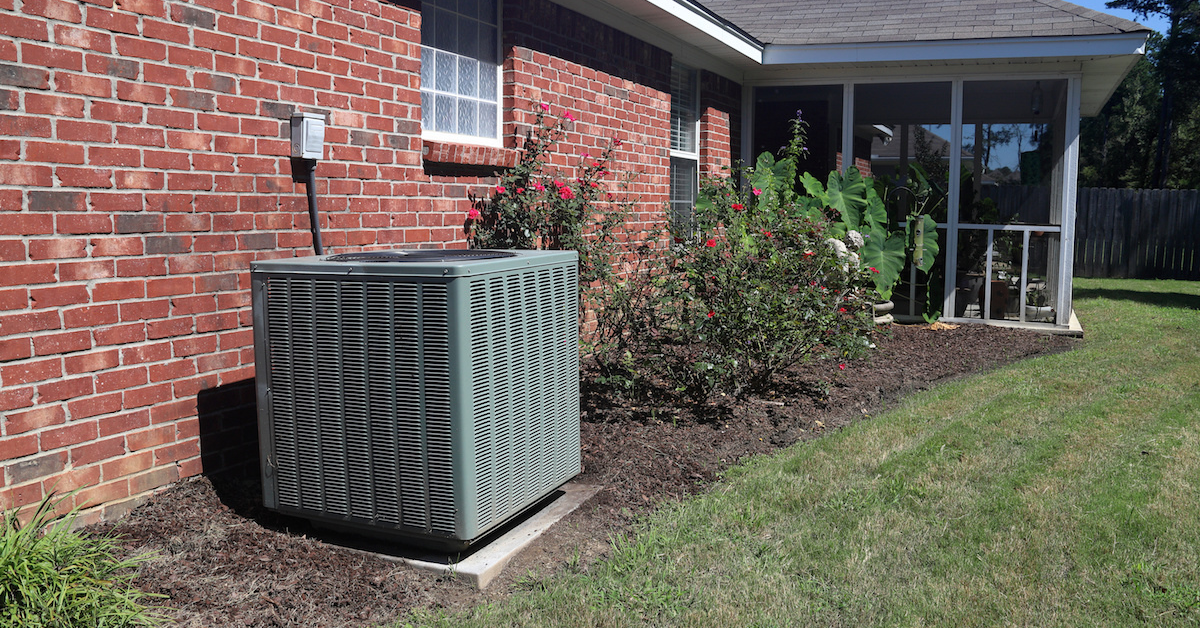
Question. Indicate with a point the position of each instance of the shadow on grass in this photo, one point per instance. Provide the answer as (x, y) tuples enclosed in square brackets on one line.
[(1161, 299)]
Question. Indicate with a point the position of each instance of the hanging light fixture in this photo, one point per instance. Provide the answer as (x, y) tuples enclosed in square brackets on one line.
[(1035, 99)]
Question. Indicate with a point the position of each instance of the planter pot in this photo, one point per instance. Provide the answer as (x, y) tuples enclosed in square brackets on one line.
[(883, 312), (1039, 314)]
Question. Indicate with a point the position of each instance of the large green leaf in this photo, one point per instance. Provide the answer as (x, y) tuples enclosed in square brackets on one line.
[(874, 215), (885, 254), (814, 188), (848, 195)]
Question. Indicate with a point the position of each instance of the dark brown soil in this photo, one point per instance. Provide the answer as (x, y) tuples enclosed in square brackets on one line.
[(223, 561)]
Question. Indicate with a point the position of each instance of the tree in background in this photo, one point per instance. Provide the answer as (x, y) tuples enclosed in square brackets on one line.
[(1118, 144), (1156, 107)]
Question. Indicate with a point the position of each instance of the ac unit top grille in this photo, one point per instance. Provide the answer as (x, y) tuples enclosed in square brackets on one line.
[(420, 255)]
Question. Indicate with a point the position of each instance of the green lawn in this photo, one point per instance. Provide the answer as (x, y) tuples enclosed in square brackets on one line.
[(1062, 491)]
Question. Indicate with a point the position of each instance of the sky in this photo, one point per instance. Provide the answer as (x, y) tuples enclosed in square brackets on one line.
[(1156, 22)]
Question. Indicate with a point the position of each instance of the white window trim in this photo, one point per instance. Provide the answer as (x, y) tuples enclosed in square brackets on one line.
[(695, 155), (692, 156), (476, 140)]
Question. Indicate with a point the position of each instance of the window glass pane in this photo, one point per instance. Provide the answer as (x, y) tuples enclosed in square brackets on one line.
[(467, 116), (444, 113), (446, 30), (468, 38), (427, 110), (487, 120), (427, 66), (487, 82), (487, 44), (468, 77), (487, 12), (444, 72), (429, 27), (469, 8), (683, 196), (683, 109), (459, 84)]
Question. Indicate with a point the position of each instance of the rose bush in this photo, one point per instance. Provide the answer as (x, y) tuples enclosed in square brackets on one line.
[(760, 279)]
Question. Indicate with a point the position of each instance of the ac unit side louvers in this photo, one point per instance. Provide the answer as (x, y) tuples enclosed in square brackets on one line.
[(425, 397)]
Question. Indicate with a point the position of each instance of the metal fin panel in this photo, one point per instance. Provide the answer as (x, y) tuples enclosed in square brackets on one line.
[(525, 387), (360, 399), (382, 401), (439, 422)]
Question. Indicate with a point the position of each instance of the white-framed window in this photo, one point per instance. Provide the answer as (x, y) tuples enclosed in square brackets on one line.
[(460, 70), (685, 147)]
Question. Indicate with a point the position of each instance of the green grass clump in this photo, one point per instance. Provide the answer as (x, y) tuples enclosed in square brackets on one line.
[(52, 577)]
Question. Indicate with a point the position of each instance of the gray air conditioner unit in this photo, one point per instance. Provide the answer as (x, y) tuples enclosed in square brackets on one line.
[(428, 396)]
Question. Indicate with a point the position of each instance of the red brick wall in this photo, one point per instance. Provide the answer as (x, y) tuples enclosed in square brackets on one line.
[(720, 123), (615, 85), (143, 166)]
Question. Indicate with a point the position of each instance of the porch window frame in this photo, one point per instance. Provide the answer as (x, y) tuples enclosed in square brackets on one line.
[(958, 79)]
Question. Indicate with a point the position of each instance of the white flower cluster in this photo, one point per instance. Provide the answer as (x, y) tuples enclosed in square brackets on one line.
[(849, 258), (855, 238)]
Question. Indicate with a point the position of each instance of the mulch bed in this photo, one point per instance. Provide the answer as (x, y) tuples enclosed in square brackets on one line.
[(224, 561)]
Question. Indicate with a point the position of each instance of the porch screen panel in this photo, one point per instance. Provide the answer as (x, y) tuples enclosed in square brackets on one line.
[(902, 140), (818, 105), (1010, 212)]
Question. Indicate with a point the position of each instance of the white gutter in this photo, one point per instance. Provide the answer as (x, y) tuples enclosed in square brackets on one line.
[(956, 50)]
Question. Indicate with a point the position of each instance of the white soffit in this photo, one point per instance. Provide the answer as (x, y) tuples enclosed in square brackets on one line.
[(695, 35)]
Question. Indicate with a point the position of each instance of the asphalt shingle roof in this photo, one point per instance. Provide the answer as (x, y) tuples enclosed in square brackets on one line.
[(818, 22)]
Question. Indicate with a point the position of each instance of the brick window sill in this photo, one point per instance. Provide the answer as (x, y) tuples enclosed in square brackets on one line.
[(468, 155)]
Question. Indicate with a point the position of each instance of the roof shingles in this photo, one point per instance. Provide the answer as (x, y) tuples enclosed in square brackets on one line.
[(818, 22)]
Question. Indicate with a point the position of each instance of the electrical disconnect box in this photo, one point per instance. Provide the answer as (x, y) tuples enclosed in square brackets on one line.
[(308, 135)]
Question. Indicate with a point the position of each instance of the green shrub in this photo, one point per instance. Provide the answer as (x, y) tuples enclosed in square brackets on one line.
[(761, 280), (531, 208), (51, 577), (760, 286)]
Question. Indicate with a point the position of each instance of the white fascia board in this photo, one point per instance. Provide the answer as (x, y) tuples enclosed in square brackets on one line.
[(955, 50), (695, 17), (680, 20)]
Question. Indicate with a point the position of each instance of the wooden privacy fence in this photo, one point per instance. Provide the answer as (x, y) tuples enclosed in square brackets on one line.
[(1141, 234)]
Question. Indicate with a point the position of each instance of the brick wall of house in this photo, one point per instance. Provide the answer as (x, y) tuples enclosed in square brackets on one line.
[(143, 166), (618, 87), (720, 123)]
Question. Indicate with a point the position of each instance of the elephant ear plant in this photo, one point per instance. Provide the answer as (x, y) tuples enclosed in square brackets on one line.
[(861, 209)]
